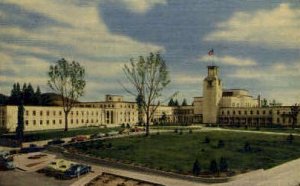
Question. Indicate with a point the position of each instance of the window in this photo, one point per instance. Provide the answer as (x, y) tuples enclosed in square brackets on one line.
[(47, 122), (228, 112), (264, 112), (233, 112), (240, 112), (60, 113), (53, 122), (26, 122), (270, 112), (27, 113), (245, 112), (251, 112), (278, 120), (60, 121), (41, 122), (54, 113), (41, 113), (34, 122), (33, 113), (278, 112), (48, 113)]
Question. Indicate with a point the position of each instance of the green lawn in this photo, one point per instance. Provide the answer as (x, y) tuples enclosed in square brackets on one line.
[(177, 153), (283, 130), (50, 134)]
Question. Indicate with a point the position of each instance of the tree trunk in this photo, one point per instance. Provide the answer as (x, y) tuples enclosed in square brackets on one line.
[(66, 121), (147, 124)]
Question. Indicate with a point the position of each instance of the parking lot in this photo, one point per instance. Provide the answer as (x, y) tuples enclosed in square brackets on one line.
[(27, 171)]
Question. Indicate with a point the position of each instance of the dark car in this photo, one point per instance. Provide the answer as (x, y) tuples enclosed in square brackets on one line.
[(56, 142), (31, 148), (77, 170)]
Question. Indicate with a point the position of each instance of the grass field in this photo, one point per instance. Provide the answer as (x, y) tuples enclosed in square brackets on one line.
[(177, 153), (50, 134)]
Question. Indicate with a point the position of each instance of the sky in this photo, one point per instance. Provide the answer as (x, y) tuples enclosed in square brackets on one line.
[(256, 43)]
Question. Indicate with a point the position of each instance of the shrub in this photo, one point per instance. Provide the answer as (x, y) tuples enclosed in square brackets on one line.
[(157, 133), (221, 144), (223, 165), (196, 168), (213, 166), (181, 132), (206, 139), (190, 131), (247, 147), (290, 138), (128, 126), (176, 130)]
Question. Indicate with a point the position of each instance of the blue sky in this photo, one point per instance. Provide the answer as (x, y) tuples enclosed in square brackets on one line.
[(256, 42)]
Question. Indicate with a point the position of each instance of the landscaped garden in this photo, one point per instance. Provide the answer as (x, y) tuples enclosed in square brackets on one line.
[(198, 153)]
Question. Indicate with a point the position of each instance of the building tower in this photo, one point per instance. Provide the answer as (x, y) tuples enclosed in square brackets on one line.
[(212, 94)]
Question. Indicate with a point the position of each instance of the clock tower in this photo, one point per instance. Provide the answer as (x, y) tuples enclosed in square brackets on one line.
[(212, 94)]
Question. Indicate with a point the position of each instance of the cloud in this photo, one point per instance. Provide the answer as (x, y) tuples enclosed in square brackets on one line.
[(274, 72), (276, 28), (228, 60), (77, 33), (140, 6)]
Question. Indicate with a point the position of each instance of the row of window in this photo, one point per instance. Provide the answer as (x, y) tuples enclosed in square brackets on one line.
[(53, 122), (251, 112), (59, 113)]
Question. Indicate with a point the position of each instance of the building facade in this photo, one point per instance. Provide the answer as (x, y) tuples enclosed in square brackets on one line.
[(228, 107)]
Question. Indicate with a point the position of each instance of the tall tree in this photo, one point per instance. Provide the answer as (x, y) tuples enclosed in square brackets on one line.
[(171, 102), (176, 103), (148, 76), (68, 80), (20, 124), (38, 96), (184, 103)]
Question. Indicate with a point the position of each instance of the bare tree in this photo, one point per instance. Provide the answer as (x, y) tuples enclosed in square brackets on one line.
[(294, 114), (67, 79), (148, 76)]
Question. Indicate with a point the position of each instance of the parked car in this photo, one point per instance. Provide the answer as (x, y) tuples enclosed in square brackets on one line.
[(6, 165), (97, 135), (77, 170), (6, 160), (57, 141), (79, 138), (112, 133), (37, 156), (124, 131), (136, 129), (31, 148)]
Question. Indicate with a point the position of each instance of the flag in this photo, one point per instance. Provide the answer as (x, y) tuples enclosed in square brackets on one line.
[(211, 52)]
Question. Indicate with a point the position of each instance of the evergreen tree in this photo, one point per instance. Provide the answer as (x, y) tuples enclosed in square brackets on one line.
[(184, 103), (171, 102), (176, 103), (20, 124), (223, 164), (30, 94), (38, 96), (196, 168), (213, 166)]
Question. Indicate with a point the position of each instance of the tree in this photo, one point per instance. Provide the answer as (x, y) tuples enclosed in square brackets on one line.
[(176, 103), (213, 166), (171, 102), (148, 76), (184, 103), (38, 96), (67, 79), (196, 168), (223, 164), (20, 124)]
